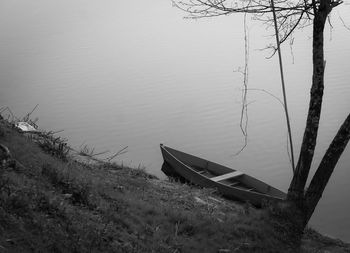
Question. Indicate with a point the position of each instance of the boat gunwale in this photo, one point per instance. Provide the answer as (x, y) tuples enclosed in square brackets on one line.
[(257, 193)]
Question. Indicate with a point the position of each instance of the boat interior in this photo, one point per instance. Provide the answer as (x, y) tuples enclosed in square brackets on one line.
[(232, 179)]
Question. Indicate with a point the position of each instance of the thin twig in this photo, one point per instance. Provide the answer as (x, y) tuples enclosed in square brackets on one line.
[(268, 93), (283, 85), (120, 152), (346, 26), (13, 117), (25, 118), (101, 153), (244, 111), (56, 132)]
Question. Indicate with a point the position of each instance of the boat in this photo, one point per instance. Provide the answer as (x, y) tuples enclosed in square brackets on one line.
[(229, 182)]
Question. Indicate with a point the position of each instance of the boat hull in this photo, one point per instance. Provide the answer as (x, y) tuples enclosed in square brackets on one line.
[(212, 175)]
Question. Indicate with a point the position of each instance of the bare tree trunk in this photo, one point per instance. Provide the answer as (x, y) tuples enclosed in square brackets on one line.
[(325, 169), (296, 188)]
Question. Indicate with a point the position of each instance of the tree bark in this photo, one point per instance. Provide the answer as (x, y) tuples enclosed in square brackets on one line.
[(325, 169), (296, 188)]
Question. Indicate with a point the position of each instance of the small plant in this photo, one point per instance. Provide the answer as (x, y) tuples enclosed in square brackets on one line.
[(140, 172), (55, 146), (91, 156)]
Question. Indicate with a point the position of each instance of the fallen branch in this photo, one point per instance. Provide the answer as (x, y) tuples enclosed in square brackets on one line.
[(120, 152)]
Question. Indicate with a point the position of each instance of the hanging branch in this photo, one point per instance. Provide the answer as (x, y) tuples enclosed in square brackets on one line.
[(244, 111)]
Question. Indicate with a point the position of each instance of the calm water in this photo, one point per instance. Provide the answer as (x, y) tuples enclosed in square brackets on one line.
[(130, 73)]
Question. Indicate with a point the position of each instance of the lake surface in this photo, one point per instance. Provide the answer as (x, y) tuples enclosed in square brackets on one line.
[(135, 73)]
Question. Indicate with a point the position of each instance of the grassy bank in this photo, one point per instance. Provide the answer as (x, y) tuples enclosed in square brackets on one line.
[(49, 202)]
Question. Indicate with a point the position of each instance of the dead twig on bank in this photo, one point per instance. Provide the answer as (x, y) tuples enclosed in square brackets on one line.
[(120, 152)]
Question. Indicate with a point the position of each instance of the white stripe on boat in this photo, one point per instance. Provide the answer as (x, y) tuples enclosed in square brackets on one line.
[(227, 176)]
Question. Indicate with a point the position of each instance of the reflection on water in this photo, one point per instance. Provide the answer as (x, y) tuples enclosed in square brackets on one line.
[(113, 78)]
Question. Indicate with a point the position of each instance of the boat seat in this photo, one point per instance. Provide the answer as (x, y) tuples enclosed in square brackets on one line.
[(227, 176)]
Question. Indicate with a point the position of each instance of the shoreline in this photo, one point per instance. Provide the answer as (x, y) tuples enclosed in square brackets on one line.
[(51, 202)]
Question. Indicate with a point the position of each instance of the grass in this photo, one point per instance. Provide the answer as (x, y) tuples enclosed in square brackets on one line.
[(50, 204)]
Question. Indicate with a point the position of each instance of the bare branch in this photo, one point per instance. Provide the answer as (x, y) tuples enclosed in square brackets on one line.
[(290, 14), (244, 112), (120, 152), (26, 118), (269, 93), (346, 26)]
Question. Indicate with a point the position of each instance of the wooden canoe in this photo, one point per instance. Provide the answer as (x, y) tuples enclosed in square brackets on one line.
[(229, 182)]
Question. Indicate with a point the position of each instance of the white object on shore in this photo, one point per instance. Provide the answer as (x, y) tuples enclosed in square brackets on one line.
[(25, 127)]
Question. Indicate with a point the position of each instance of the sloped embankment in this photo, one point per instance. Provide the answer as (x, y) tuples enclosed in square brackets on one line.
[(50, 204)]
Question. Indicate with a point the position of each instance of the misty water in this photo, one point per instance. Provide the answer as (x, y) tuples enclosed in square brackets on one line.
[(135, 73)]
